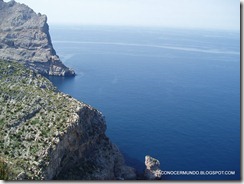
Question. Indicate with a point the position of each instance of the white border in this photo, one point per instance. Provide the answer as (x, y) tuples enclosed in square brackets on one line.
[(159, 182)]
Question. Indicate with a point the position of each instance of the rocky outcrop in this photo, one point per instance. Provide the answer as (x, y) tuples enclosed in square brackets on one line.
[(24, 37), (85, 152), (152, 171), (45, 134)]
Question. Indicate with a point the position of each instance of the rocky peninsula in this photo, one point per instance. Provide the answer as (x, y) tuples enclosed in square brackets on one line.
[(24, 37)]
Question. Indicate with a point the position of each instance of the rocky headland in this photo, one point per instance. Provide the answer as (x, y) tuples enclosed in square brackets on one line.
[(24, 37), (46, 134)]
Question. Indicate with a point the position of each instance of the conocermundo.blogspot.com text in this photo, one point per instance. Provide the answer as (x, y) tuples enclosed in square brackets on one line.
[(198, 172)]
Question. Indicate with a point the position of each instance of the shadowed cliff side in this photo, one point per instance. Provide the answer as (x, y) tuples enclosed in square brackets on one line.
[(24, 37)]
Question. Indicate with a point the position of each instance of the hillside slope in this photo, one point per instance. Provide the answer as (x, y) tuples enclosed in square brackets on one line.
[(50, 135)]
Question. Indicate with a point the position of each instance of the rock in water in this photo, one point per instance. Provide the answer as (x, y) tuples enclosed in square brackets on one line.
[(24, 37), (152, 171)]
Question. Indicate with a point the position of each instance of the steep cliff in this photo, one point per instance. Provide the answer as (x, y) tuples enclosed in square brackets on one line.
[(24, 37), (46, 134)]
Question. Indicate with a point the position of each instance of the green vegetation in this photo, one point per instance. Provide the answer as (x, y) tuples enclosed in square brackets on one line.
[(32, 116), (4, 169)]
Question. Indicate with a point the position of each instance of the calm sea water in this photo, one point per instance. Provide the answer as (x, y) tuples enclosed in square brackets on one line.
[(171, 94)]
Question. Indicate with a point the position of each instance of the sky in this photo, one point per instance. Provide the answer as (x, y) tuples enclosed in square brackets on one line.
[(206, 14)]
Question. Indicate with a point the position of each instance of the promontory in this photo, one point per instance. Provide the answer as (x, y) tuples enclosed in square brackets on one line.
[(24, 37)]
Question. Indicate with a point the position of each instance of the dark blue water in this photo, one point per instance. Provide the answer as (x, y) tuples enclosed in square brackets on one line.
[(171, 94)]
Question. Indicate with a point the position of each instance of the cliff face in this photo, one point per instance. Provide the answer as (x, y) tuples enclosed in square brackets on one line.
[(24, 37), (46, 134)]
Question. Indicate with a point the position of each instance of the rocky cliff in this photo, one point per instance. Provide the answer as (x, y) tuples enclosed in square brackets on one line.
[(46, 134), (24, 37)]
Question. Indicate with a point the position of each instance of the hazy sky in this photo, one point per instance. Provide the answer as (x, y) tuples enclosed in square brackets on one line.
[(217, 14)]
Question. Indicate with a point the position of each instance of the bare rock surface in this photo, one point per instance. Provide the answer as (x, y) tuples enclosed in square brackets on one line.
[(24, 37), (152, 171)]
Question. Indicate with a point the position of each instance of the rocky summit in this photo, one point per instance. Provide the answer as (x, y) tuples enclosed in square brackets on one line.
[(46, 134), (24, 37)]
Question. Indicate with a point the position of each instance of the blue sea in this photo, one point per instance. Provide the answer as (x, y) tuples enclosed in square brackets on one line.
[(173, 94)]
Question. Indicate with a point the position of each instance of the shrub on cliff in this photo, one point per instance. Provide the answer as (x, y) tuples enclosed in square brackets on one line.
[(4, 169)]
